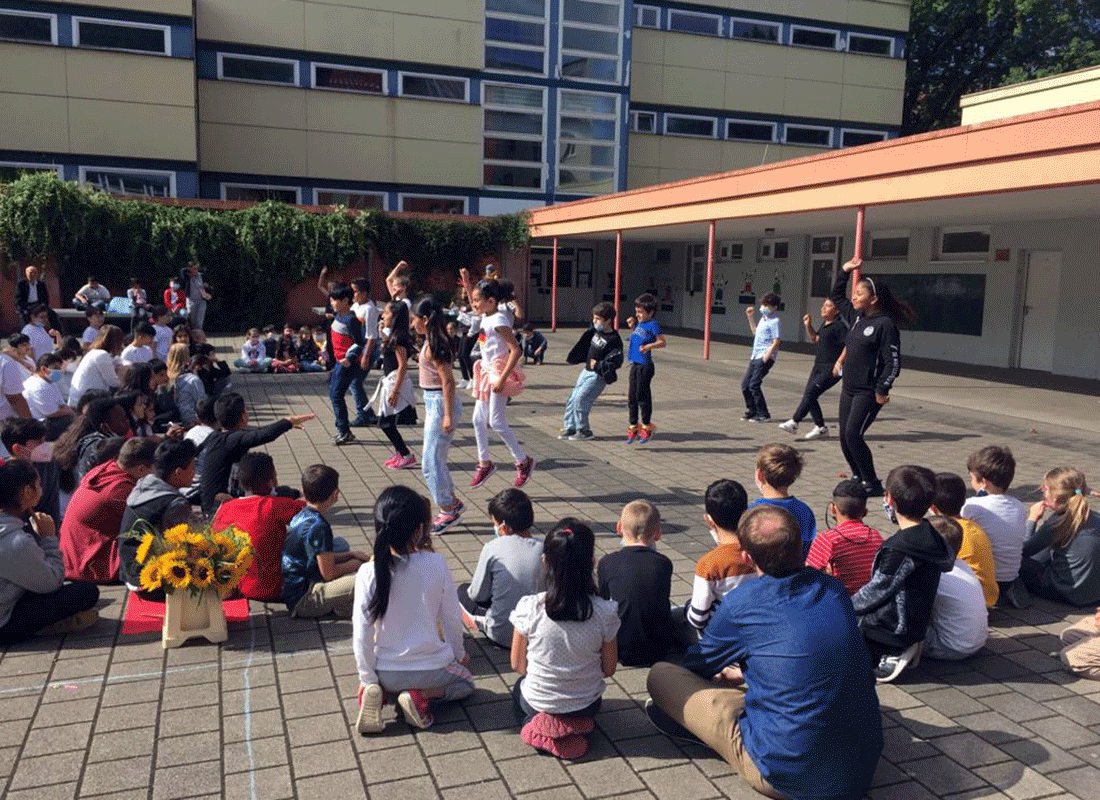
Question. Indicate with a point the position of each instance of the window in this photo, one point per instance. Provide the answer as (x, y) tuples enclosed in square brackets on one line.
[(731, 251), (349, 79), (814, 37), (14, 170), (750, 131), (350, 199), (134, 37), (681, 125), (258, 193), (851, 138), (963, 242), (643, 121), (588, 138), (142, 183), (889, 245), (870, 45), (434, 87), (257, 69), (774, 249), (692, 22), (647, 16), (591, 38), (515, 36), (696, 268), (755, 30), (513, 148), (422, 204), (811, 135), (27, 26)]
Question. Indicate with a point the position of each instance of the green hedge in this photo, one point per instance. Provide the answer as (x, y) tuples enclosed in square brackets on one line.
[(247, 255)]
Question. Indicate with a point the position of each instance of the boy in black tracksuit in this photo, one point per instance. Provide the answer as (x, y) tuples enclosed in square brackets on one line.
[(895, 606), (601, 350)]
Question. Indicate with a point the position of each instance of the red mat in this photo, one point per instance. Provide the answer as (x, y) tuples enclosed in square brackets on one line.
[(145, 616)]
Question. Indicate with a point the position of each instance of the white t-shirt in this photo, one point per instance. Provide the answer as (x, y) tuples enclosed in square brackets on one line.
[(96, 371), (564, 667), (960, 621), (99, 293), (162, 341), (1004, 520), (41, 342), (43, 397), (131, 354), (11, 383), (89, 335), (367, 314), (490, 340)]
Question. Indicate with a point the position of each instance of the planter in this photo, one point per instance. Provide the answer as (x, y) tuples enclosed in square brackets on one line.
[(187, 616)]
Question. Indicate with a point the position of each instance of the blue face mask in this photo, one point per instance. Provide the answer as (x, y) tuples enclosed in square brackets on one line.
[(891, 514), (54, 376)]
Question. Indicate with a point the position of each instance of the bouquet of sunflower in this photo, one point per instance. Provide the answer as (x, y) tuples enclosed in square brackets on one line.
[(194, 557)]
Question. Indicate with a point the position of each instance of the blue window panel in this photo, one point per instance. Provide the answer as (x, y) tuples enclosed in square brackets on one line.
[(183, 42), (514, 60), (593, 129), (596, 69), (591, 41), (510, 30), (531, 8)]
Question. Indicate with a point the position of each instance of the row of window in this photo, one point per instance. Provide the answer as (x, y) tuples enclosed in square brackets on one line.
[(751, 130), (103, 34), (732, 27)]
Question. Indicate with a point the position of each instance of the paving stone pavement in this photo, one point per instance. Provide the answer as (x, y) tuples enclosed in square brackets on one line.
[(270, 713)]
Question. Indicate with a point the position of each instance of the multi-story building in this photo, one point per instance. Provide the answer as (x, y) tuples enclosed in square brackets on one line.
[(461, 106)]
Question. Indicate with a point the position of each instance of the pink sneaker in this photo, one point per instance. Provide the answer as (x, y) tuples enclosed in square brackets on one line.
[(389, 462), (402, 462), (523, 471), (416, 708), (482, 474)]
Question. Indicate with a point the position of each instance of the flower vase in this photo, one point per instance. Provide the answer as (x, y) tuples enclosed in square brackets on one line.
[(188, 615)]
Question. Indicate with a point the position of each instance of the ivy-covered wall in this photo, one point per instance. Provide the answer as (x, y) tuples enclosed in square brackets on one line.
[(250, 255)]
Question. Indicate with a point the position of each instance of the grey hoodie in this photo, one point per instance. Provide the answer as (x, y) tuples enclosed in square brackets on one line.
[(158, 503), (27, 564)]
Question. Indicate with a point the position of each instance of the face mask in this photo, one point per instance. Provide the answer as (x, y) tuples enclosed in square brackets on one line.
[(70, 367), (174, 285), (54, 376), (765, 310), (891, 514), (496, 529), (714, 535), (39, 323)]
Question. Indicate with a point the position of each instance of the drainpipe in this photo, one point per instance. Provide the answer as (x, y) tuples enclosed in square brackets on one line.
[(710, 290)]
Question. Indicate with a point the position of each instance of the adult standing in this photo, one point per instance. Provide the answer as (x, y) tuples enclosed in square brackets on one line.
[(869, 363), (779, 683), (829, 339), (198, 293)]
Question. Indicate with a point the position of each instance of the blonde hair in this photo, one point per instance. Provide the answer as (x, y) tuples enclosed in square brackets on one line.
[(640, 520), (179, 355), (110, 338), (1068, 492)]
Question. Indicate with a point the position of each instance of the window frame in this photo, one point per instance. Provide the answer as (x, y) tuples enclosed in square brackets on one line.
[(523, 137), (897, 233), (636, 115), (35, 165), (166, 30), (668, 116), (639, 12), (777, 25), (773, 125), (614, 142), (14, 12), (726, 249), (313, 78), (718, 18), (837, 44), (695, 268), (402, 195), (224, 185), (789, 125), (844, 131), (318, 189), (487, 42), (222, 55), (83, 170), (564, 51), (963, 256), (772, 242), (877, 37), (401, 74)]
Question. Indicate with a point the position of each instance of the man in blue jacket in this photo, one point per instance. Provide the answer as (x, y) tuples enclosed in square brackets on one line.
[(780, 683)]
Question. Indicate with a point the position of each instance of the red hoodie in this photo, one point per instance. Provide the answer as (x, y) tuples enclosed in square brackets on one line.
[(264, 519), (90, 527)]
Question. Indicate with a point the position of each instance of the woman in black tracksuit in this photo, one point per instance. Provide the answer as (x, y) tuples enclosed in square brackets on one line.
[(871, 362)]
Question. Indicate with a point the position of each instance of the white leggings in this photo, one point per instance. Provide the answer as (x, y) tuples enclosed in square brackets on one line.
[(490, 413)]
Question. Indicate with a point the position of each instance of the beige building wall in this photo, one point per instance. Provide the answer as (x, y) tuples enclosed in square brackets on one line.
[(97, 102), (180, 8), (277, 130), (889, 14), (662, 159), (1071, 88)]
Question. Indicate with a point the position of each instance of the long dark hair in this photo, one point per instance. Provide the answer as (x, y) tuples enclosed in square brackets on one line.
[(568, 551), (501, 291), (898, 310), (400, 518), (137, 377), (439, 343), (399, 328)]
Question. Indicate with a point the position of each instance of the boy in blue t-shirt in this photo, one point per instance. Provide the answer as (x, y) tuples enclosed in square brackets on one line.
[(646, 336), (765, 344), (316, 580), (777, 468)]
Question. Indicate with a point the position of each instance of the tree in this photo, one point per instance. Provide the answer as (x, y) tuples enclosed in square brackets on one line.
[(960, 46)]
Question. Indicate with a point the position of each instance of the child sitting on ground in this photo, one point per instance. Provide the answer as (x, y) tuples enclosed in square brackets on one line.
[(1001, 516), (847, 552), (407, 628), (253, 354), (140, 350), (976, 549), (1062, 555), (286, 353), (139, 302), (894, 607), (534, 345), (960, 623), (777, 468), (270, 341), (1081, 651), (722, 568), (509, 568), (639, 580), (95, 319), (563, 646), (309, 354)]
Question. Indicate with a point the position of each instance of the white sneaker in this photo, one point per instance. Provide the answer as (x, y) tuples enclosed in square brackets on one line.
[(790, 426), (817, 432), (370, 709)]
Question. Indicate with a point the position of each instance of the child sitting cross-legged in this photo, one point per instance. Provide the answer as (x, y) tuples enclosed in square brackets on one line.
[(847, 552), (407, 625), (1001, 516), (253, 354), (777, 468), (976, 549), (563, 646), (960, 622), (1062, 554)]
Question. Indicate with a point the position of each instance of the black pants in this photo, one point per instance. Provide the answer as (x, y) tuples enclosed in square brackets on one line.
[(468, 603), (525, 713), (640, 395), (751, 387), (388, 423), (465, 360), (857, 412), (33, 611), (821, 380)]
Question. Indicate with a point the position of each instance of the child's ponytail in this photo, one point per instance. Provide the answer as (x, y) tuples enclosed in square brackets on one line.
[(501, 291), (568, 552), (399, 521), (1068, 492), (439, 343)]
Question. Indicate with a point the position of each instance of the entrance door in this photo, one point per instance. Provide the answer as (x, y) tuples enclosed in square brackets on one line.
[(824, 265), (1044, 275), (574, 283)]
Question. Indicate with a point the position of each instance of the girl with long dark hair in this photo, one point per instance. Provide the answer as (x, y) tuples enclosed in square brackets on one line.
[(404, 598), (395, 392), (869, 364)]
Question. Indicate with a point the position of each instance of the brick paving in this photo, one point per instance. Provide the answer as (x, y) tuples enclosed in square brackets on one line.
[(270, 713)]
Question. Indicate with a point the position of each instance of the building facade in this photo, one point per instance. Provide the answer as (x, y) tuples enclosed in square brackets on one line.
[(452, 106)]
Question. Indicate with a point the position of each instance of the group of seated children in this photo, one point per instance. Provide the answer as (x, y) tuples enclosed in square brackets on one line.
[(263, 351)]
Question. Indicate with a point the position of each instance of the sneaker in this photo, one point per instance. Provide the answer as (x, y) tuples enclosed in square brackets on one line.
[(582, 436), (816, 432), (748, 416), (416, 708), (403, 462), (371, 701), (668, 726), (790, 426), (567, 433), (389, 462), (568, 748), (631, 435), (448, 518), (482, 474), (761, 418), (645, 433), (555, 726), (1014, 594), (77, 622), (344, 437), (874, 488), (889, 667), (523, 471)]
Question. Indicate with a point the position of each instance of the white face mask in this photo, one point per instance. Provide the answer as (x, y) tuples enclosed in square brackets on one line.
[(765, 310), (714, 535)]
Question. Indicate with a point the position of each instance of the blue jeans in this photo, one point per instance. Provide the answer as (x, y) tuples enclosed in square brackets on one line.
[(261, 365), (310, 366), (359, 393), (589, 386), (342, 377), (755, 404), (437, 444)]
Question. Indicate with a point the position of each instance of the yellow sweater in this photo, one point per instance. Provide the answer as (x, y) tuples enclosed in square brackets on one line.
[(978, 553)]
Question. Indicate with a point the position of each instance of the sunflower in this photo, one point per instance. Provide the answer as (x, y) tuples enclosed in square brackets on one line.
[(195, 539), (143, 548), (244, 559), (176, 535), (225, 542), (150, 579), (175, 573), (202, 574)]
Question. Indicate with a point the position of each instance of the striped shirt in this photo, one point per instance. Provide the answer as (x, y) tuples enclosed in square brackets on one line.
[(716, 573), (849, 550), (346, 336)]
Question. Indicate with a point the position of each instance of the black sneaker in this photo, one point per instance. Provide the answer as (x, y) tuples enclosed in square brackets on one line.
[(889, 667), (748, 416), (874, 488), (346, 437), (668, 726), (582, 436), (566, 433), (761, 418)]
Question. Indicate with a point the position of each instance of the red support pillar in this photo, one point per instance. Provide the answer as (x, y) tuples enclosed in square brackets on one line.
[(554, 288), (858, 250), (710, 291), (618, 273)]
